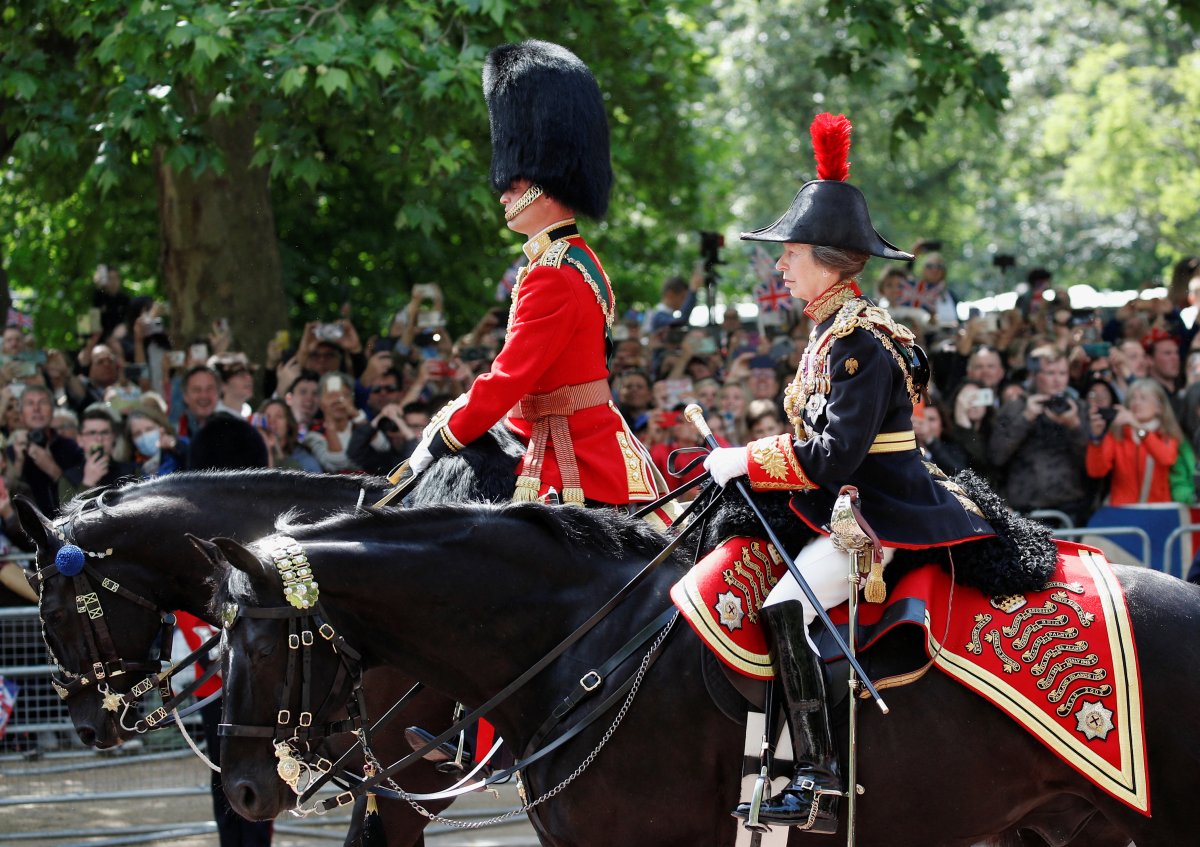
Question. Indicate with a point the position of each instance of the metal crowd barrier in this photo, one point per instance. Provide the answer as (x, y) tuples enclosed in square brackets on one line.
[(1176, 535), (1061, 519), (1109, 531)]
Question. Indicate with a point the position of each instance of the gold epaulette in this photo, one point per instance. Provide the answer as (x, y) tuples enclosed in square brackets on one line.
[(860, 313)]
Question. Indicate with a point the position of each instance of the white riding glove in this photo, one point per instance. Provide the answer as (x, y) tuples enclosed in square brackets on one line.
[(420, 458), (724, 463)]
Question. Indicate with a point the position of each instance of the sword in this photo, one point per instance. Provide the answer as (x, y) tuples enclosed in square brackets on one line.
[(403, 478), (696, 415)]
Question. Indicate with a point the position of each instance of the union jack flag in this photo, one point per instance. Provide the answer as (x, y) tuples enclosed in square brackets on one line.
[(20, 319), (8, 699), (505, 286), (772, 295)]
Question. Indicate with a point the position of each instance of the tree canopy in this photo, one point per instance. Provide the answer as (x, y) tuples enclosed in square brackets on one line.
[(319, 153)]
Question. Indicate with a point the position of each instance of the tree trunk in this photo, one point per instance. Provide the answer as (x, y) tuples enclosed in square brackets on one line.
[(220, 258)]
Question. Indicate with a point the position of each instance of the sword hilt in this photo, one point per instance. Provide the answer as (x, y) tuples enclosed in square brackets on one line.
[(696, 415)]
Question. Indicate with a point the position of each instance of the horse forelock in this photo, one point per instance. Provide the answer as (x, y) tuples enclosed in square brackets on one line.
[(232, 586)]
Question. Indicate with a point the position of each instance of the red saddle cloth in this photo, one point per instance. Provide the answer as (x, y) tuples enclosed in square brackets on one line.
[(1060, 661)]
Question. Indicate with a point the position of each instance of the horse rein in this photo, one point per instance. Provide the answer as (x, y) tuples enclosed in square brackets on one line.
[(373, 783)]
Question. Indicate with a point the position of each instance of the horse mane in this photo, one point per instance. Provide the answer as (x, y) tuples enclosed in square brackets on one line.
[(601, 533), (111, 495)]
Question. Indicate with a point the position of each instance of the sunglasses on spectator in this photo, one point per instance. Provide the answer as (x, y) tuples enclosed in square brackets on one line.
[(380, 389), (324, 354), (96, 433)]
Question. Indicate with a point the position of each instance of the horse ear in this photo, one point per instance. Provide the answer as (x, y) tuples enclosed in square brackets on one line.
[(239, 557), (37, 526), (208, 550)]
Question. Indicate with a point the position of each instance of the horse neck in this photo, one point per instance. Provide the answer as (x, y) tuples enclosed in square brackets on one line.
[(145, 527), (465, 606)]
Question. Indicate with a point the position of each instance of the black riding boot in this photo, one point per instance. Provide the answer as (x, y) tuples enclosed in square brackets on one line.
[(804, 803)]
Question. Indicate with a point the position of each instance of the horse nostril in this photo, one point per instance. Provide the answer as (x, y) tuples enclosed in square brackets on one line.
[(87, 735), (247, 796)]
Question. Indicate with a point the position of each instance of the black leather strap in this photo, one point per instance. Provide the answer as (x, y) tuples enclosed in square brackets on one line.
[(375, 781), (593, 679)]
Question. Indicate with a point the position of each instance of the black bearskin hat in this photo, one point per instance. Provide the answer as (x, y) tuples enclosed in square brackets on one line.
[(828, 211), (227, 442), (548, 124)]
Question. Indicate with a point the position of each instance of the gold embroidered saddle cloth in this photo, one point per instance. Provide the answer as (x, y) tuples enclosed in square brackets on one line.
[(1060, 661)]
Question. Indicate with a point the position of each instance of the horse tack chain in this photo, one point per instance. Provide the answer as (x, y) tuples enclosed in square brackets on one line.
[(587, 761)]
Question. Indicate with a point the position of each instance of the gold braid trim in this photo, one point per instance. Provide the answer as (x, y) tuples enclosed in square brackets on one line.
[(553, 257), (595, 286), (855, 313)]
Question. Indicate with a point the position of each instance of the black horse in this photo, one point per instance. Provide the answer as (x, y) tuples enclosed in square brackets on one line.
[(145, 525), (466, 598)]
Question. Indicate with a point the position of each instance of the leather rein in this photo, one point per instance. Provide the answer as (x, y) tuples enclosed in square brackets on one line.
[(288, 735)]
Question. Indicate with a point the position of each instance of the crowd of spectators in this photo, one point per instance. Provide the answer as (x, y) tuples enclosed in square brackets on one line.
[(1058, 408)]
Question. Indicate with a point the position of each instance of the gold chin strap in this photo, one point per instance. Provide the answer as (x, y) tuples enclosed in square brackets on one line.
[(532, 193)]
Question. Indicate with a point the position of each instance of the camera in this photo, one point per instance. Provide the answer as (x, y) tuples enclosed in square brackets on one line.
[(38, 437), (1108, 413), (154, 326), (329, 332), (96, 450), (710, 248), (1058, 403), (387, 425)]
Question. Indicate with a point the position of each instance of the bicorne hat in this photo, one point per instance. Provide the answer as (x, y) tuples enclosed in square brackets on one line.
[(548, 124), (828, 211)]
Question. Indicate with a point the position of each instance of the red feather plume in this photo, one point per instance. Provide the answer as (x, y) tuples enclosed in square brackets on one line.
[(831, 146)]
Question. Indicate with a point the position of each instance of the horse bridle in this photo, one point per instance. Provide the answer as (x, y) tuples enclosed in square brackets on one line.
[(293, 738), (106, 662)]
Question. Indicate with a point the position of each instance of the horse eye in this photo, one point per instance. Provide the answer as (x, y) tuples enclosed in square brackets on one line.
[(263, 651)]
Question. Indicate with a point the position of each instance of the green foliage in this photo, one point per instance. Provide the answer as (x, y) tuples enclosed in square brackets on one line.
[(370, 121), (1127, 130), (993, 126)]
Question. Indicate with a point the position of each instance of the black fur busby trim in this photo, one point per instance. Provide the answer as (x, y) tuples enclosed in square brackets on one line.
[(548, 124), (1020, 557), (733, 518)]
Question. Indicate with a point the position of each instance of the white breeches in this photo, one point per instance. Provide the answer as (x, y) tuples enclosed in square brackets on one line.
[(827, 571)]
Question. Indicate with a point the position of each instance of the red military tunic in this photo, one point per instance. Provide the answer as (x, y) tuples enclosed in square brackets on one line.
[(562, 303)]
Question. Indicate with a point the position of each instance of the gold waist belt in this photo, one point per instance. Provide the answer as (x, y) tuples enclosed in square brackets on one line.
[(549, 413), (894, 442)]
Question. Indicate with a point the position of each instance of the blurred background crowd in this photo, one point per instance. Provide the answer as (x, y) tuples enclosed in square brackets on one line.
[(1059, 408)]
